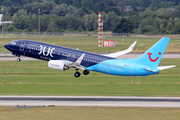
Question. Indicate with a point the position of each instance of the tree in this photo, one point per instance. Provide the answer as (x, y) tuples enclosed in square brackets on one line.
[(177, 28), (78, 3), (68, 2), (124, 26), (148, 29), (71, 9), (11, 28), (169, 26), (89, 20), (102, 6), (110, 21), (96, 8), (114, 9), (51, 26), (78, 12), (178, 7), (60, 10)]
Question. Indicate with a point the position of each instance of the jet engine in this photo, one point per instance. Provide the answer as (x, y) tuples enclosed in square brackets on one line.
[(58, 65)]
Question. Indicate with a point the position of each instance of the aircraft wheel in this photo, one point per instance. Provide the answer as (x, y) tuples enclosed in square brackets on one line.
[(86, 72), (77, 74), (18, 59)]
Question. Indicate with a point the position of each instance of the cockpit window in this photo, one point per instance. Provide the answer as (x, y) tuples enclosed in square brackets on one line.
[(13, 43)]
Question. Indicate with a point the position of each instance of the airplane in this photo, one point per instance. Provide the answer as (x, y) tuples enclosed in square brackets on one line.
[(62, 58), (2, 22)]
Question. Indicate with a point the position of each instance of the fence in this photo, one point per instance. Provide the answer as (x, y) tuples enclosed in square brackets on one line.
[(84, 33)]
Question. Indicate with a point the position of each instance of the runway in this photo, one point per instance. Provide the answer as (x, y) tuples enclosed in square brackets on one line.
[(10, 57), (105, 101)]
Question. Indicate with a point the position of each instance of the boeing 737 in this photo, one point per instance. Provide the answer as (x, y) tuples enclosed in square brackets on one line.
[(63, 58)]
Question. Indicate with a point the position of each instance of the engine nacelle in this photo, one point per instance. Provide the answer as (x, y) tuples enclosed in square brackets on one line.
[(57, 64)]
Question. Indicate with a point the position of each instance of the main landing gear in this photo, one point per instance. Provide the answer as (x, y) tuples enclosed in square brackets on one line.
[(86, 72), (78, 74)]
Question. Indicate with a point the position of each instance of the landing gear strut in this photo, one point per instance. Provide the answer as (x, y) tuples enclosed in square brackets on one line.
[(17, 56), (77, 74)]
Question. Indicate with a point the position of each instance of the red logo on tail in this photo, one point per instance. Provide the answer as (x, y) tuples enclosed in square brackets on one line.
[(153, 60)]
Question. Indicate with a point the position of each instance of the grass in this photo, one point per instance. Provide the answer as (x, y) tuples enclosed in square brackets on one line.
[(90, 43), (35, 78), (89, 113)]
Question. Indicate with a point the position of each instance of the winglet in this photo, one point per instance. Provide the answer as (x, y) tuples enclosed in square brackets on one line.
[(115, 55), (132, 46)]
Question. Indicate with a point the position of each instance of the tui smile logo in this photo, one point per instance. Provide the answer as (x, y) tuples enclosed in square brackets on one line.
[(153, 60)]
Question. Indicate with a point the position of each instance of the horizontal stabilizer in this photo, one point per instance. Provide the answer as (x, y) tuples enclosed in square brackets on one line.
[(165, 67), (115, 55), (151, 70)]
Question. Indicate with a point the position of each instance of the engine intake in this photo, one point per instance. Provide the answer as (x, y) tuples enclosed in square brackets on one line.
[(57, 65)]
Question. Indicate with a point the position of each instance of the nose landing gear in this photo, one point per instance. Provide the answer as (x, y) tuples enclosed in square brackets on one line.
[(18, 59), (77, 74), (17, 56)]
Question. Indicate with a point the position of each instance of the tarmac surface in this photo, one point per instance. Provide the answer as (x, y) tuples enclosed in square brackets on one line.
[(10, 57), (90, 101)]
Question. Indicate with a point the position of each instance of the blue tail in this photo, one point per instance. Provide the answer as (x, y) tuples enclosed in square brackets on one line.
[(152, 57)]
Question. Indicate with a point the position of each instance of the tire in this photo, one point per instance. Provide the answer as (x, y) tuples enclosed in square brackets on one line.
[(77, 74), (86, 72), (18, 59)]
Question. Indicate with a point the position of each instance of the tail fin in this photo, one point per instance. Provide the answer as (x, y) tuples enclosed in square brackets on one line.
[(152, 57)]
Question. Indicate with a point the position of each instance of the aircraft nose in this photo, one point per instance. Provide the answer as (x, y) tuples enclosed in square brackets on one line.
[(7, 45)]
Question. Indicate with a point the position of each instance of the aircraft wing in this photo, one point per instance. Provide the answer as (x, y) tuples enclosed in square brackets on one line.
[(116, 54), (165, 67), (77, 63)]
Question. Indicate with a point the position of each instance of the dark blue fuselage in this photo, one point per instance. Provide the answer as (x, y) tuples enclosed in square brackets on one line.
[(48, 52)]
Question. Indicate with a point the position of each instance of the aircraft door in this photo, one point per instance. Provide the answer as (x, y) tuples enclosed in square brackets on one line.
[(22, 45), (131, 69)]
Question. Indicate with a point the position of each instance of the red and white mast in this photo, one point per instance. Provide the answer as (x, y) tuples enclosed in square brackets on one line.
[(100, 31)]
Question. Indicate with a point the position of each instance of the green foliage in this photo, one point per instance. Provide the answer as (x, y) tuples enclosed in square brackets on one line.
[(76, 14), (78, 3), (169, 26), (11, 28), (148, 29), (124, 26), (114, 9), (89, 21), (110, 20), (177, 28)]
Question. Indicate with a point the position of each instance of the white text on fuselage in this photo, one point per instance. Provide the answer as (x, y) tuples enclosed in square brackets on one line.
[(43, 51)]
